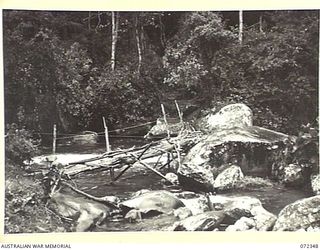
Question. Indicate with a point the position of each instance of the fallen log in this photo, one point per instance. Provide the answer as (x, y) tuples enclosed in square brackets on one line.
[(118, 159)]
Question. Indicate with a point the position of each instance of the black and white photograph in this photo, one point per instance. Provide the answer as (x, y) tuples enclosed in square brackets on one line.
[(144, 121)]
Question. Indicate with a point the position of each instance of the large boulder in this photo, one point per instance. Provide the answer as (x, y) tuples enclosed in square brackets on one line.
[(207, 221), (85, 213), (251, 148), (315, 183), (228, 178), (233, 115), (302, 214), (152, 203), (195, 177)]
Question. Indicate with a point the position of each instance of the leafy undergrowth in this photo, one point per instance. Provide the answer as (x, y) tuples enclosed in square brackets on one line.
[(25, 207)]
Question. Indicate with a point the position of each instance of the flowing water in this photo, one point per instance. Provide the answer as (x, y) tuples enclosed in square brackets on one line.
[(273, 198)]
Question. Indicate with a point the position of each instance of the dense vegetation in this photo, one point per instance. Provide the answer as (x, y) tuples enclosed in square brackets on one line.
[(58, 66), (73, 68)]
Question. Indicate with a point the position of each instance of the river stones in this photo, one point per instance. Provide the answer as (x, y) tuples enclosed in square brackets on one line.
[(172, 177), (197, 205), (293, 175), (302, 214), (243, 224), (236, 208), (206, 221), (152, 203), (315, 183), (182, 213)]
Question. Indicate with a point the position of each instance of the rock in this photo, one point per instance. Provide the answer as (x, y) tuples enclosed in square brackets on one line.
[(160, 128), (85, 212), (207, 221), (172, 177), (140, 192), (182, 213), (315, 184), (153, 203), (249, 147), (197, 205), (134, 215), (264, 220), (249, 183), (237, 207), (111, 199), (292, 175), (228, 178), (303, 214), (187, 195), (195, 177), (86, 137), (313, 229), (243, 224), (233, 115)]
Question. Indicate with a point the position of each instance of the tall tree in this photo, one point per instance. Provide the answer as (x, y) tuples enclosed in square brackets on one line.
[(240, 26), (115, 28), (138, 40)]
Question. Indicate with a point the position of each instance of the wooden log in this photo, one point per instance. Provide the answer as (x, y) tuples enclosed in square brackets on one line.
[(121, 158), (54, 143), (179, 112), (153, 170), (106, 134), (120, 174), (165, 120), (91, 197)]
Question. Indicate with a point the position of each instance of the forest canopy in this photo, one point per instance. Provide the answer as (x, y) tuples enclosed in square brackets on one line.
[(73, 68)]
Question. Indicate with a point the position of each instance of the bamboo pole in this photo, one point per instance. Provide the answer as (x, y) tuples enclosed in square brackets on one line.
[(165, 119), (179, 112), (54, 143), (152, 169), (120, 174), (106, 133)]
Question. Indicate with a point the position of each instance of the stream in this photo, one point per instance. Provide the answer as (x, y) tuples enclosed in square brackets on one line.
[(274, 198)]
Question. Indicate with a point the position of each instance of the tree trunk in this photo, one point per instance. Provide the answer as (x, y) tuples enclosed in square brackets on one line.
[(260, 24), (115, 26), (89, 21), (138, 44), (240, 26)]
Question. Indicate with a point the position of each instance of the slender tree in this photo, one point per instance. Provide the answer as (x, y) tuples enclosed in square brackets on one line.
[(240, 26), (138, 40), (115, 27), (261, 23)]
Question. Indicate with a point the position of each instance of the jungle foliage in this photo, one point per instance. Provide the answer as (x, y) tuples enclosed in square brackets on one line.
[(57, 66)]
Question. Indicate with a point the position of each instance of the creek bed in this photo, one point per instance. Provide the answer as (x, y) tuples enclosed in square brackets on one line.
[(273, 198)]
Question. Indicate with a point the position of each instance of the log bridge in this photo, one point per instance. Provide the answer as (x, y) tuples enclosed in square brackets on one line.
[(171, 148)]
